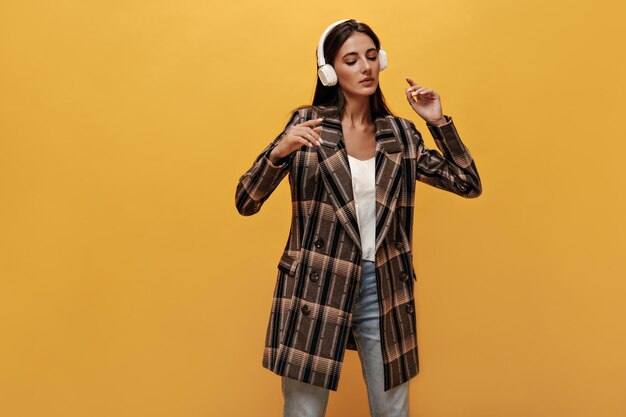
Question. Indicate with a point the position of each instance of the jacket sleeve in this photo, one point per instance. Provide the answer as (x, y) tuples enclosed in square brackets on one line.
[(258, 183), (453, 171)]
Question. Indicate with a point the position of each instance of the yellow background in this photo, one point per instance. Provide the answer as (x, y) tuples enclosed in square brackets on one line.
[(130, 285)]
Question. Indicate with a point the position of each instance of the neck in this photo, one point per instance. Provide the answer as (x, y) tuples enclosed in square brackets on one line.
[(356, 112)]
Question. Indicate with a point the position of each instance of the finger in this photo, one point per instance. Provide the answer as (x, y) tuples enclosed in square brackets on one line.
[(316, 129), (315, 137), (314, 132), (311, 123), (410, 81), (420, 93), (428, 94), (298, 134), (301, 141), (411, 96), (414, 87), (418, 90), (308, 135), (412, 92), (304, 141)]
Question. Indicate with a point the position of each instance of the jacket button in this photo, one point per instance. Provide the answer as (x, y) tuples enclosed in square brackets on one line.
[(305, 310), (319, 243), (404, 276), (399, 244), (314, 276), (409, 308)]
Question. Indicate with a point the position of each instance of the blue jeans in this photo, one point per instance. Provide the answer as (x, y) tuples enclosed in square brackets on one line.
[(307, 400)]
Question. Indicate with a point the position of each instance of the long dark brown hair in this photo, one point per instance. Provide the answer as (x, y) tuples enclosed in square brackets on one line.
[(333, 96)]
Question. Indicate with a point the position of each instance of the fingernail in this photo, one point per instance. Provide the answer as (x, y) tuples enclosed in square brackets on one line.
[(321, 141)]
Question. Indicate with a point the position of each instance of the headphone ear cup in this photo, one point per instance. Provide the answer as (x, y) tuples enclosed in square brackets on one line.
[(327, 75), (382, 57)]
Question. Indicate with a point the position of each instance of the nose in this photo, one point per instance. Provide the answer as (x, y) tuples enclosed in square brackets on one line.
[(367, 66)]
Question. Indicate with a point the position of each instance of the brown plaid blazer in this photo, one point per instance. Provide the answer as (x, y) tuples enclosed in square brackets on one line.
[(319, 272)]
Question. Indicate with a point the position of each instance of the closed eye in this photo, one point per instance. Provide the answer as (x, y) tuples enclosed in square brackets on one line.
[(373, 58)]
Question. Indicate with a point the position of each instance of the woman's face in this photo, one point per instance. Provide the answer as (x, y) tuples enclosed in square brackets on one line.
[(356, 61)]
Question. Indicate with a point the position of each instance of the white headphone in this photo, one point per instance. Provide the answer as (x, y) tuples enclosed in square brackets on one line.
[(325, 71)]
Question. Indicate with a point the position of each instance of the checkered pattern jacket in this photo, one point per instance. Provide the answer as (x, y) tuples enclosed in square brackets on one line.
[(319, 271)]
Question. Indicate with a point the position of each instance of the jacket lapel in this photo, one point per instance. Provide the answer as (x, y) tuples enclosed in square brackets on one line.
[(389, 154), (335, 173)]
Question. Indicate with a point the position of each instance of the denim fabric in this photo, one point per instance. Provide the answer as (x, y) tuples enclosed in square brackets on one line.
[(307, 400)]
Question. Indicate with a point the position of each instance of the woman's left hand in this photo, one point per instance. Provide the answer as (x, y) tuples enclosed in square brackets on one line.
[(427, 103)]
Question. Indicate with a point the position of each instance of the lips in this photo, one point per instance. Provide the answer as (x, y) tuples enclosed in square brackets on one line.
[(366, 80)]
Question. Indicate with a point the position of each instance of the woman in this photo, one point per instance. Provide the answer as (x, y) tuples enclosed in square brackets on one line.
[(345, 279)]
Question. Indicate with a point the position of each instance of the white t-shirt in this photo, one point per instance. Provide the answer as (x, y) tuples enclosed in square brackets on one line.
[(364, 190)]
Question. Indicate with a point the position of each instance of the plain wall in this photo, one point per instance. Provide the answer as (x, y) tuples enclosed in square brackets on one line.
[(130, 286)]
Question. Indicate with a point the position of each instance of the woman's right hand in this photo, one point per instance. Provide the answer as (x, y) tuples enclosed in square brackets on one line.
[(306, 133)]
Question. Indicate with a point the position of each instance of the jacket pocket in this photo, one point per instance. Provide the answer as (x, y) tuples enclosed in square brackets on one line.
[(288, 264)]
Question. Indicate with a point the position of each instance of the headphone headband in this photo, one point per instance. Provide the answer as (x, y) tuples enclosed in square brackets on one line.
[(320, 46)]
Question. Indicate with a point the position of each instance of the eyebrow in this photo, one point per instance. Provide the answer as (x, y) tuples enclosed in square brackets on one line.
[(354, 53)]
